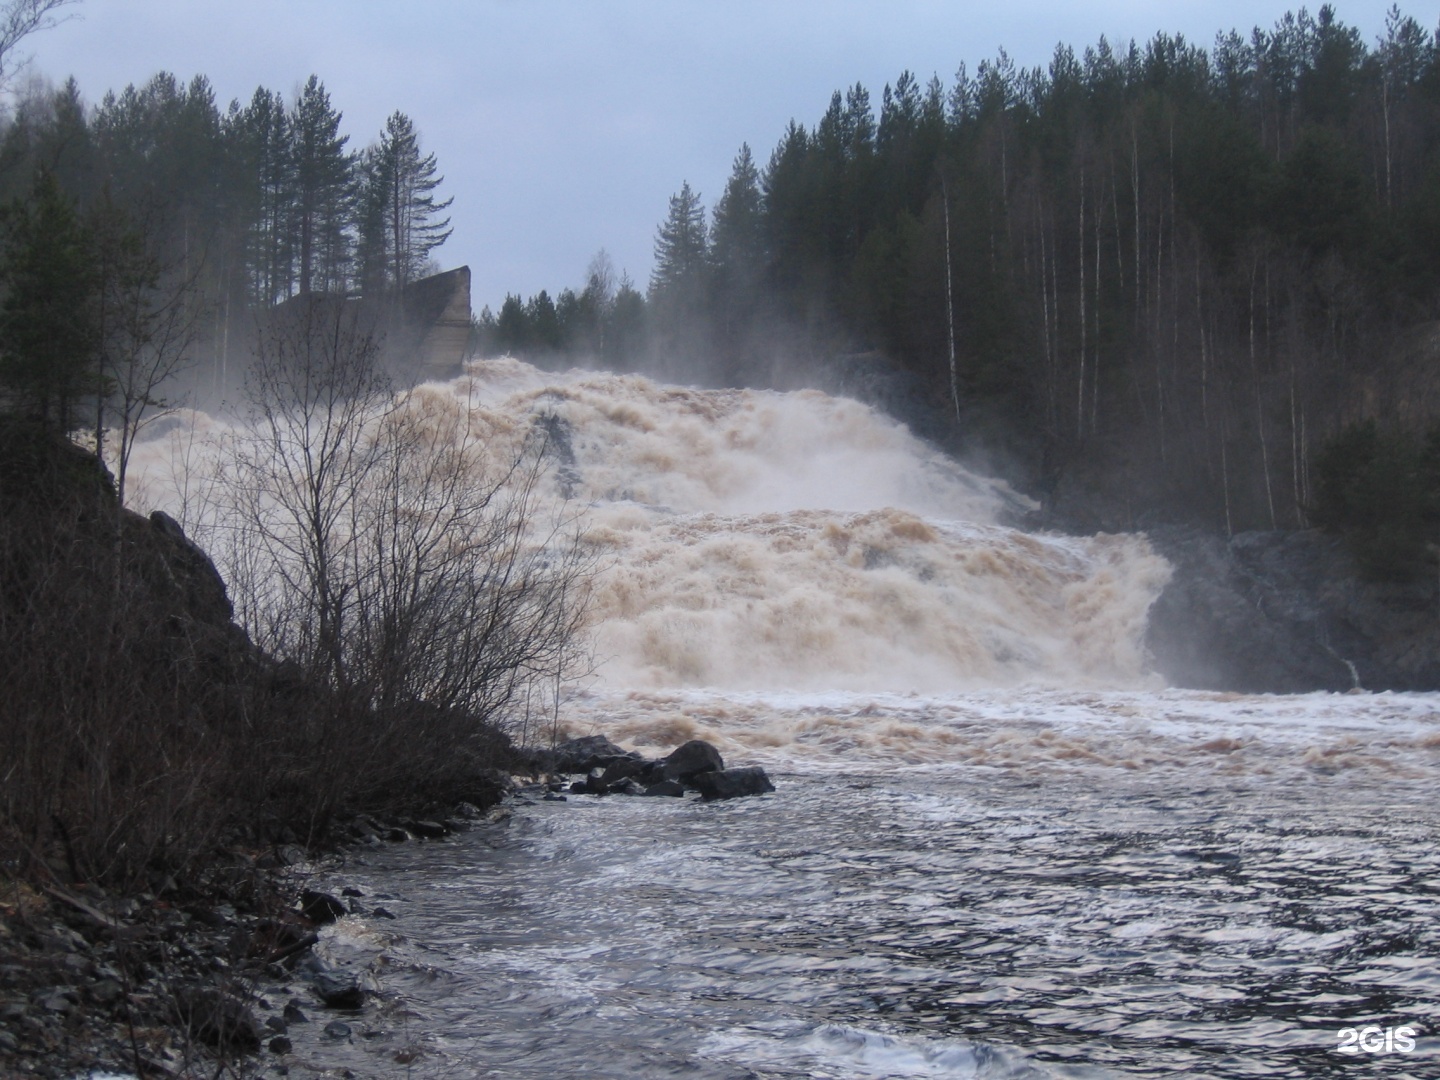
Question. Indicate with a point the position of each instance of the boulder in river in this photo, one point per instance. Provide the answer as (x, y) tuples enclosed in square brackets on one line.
[(586, 753), (732, 783), (623, 769), (691, 759)]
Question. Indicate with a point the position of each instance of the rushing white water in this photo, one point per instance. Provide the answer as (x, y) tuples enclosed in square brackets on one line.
[(1000, 847), (799, 541)]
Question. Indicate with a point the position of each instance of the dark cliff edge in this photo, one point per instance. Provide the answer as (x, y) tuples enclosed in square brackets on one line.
[(161, 779), (1287, 612)]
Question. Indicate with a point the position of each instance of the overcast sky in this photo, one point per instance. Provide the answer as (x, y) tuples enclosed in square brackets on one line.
[(563, 126)]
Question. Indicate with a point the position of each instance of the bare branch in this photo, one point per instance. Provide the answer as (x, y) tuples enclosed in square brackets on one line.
[(21, 18)]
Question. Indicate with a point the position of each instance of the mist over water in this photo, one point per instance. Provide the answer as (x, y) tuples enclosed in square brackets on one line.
[(763, 540), (999, 846)]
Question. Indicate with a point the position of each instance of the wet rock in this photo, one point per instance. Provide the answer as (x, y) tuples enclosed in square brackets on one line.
[(623, 769), (733, 783), (338, 991), (428, 830), (583, 754), (397, 835), (1287, 612), (690, 760), (294, 1014), (217, 1017), (665, 787), (320, 907), (591, 785), (350, 890), (337, 1029), (628, 786), (281, 1045), (382, 913), (552, 797), (276, 1025)]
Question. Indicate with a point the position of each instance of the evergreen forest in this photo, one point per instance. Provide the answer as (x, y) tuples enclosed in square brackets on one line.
[(143, 234), (1149, 281)]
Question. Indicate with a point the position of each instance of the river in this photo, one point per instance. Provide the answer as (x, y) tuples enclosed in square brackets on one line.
[(999, 846)]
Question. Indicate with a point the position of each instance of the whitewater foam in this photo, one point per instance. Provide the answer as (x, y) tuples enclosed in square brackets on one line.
[(756, 540)]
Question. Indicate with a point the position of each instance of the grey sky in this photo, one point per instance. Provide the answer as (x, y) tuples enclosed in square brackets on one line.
[(563, 127)]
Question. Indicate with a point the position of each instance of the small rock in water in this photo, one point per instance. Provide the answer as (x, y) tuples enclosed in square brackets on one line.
[(733, 783), (429, 830), (337, 1029), (350, 890), (294, 1014), (666, 787), (382, 913), (339, 991), (281, 1045)]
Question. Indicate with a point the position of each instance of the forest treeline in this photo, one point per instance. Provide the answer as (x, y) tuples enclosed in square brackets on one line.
[(1154, 279), (404, 598), (224, 211)]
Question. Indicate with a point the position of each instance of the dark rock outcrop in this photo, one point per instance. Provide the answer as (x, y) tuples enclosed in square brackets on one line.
[(1286, 612), (732, 783)]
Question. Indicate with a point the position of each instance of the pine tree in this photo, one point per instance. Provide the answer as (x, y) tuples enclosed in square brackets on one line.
[(261, 134), (322, 186), (48, 333), (737, 237), (408, 186), (737, 252), (681, 246), (372, 242)]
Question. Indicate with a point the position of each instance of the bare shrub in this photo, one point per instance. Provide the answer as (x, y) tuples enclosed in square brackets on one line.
[(396, 552)]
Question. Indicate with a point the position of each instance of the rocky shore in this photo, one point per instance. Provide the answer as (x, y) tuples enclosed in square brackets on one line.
[(211, 976), (193, 980)]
